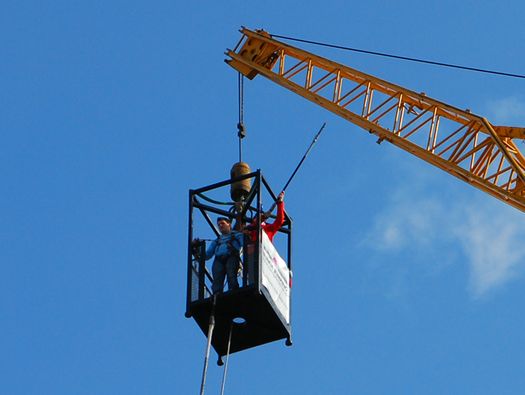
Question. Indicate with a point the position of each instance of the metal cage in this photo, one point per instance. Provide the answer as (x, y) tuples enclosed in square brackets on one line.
[(259, 311)]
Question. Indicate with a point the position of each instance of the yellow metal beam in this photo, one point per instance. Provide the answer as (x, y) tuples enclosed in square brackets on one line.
[(510, 131)]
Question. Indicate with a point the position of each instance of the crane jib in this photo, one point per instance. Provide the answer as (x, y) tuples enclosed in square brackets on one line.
[(457, 141)]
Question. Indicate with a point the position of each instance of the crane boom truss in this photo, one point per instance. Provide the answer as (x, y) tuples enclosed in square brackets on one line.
[(465, 145)]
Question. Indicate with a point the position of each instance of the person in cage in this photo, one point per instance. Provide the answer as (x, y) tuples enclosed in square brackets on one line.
[(226, 249), (269, 228)]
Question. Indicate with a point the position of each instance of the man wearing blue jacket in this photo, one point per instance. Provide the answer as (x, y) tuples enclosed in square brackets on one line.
[(226, 249)]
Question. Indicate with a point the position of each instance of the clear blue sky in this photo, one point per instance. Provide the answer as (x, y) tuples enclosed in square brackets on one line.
[(406, 281)]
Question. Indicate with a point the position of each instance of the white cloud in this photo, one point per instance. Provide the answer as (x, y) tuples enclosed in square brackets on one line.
[(494, 248), (488, 238), (407, 221), (507, 111)]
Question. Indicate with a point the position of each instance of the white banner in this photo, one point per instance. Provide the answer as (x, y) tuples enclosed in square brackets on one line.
[(275, 277)]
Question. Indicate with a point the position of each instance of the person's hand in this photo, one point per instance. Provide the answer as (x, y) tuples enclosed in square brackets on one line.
[(280, 198), (195, 248)]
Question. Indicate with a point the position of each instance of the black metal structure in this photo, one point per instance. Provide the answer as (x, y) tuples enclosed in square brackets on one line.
[(260, 307)]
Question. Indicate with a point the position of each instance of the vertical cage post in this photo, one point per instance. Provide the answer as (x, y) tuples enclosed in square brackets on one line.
[(190, 239), (202, 268), (257, 251)]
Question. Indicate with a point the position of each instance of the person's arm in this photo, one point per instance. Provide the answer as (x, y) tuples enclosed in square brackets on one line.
[(239, 236), (279, 220), (210, 251)]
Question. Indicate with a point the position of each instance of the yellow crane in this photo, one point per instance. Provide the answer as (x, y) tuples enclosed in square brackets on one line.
[(463, 144)]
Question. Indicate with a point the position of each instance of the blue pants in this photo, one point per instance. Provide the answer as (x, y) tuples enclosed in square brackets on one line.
[(225, 266)]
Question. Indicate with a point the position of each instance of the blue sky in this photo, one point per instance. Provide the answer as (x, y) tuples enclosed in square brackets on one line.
[(406, 280)]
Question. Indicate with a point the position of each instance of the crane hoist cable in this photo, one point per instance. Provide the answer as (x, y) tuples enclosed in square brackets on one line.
[(418, 60), (240, 125)]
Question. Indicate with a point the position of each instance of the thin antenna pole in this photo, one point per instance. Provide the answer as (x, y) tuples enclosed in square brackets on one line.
[(300, 163), (304, 156)]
